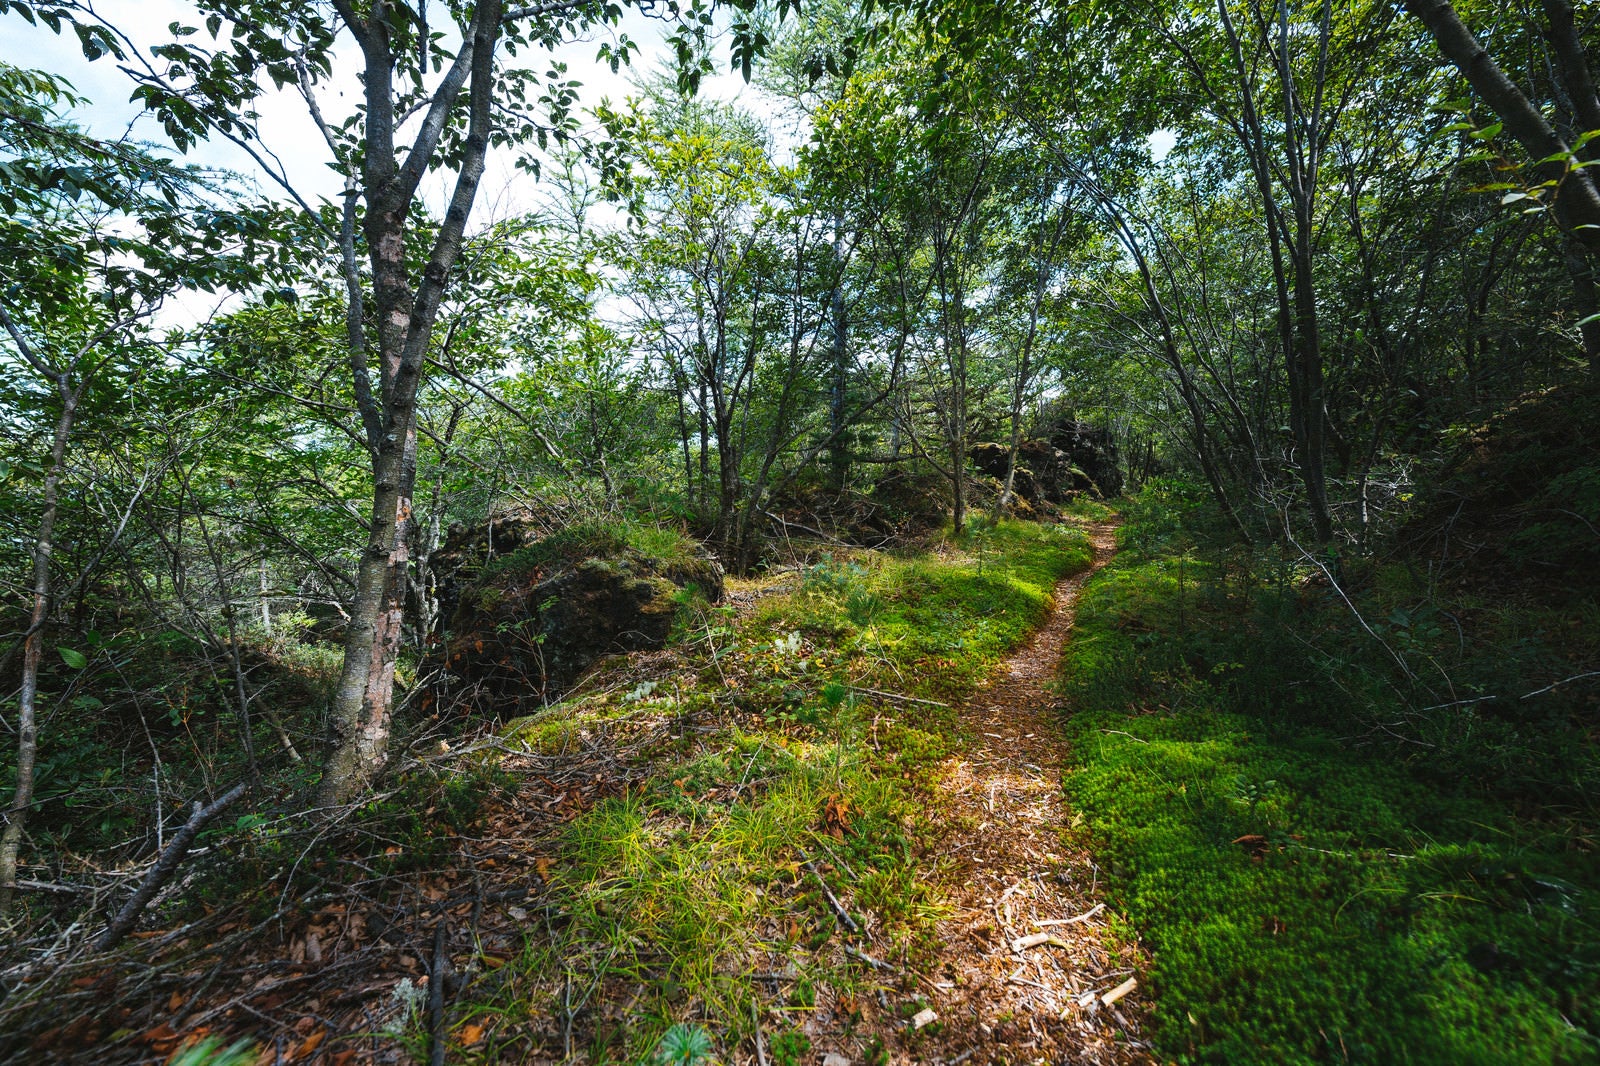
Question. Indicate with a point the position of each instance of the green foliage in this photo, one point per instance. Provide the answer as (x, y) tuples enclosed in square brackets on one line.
[(792, 1048), (1323, 870), (684, 1045), (210, 1051)]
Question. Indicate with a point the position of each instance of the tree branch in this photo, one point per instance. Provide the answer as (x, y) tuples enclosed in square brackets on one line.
[(165, 867)]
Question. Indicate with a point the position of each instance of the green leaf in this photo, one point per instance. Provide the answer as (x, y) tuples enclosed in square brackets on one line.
[(75, 659)]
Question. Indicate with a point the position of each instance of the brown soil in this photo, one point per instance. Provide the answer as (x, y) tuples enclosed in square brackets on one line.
[(1012, 869)]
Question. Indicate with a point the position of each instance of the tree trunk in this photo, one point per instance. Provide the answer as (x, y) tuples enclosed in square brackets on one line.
[(359, 720), (839, 450), (1577, 200), (33, 650)]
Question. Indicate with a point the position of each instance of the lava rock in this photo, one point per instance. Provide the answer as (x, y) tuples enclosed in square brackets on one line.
[(533, 621)]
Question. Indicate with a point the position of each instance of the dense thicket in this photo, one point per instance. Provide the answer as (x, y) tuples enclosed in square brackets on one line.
[(1287, 249)]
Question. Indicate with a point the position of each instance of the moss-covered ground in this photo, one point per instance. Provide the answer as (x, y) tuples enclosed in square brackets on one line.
[(809, 727), (1348, 830)]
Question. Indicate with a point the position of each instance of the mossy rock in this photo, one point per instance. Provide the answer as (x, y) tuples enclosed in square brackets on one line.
[(537, 618)]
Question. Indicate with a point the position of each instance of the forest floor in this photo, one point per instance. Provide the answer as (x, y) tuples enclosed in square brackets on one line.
[(824, 826), (1022, 972)]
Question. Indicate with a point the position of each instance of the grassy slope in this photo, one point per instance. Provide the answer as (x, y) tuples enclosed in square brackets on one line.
[(673, 898), (1325, 867)]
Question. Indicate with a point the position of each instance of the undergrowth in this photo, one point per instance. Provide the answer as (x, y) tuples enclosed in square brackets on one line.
[(1346, 839), (698, 899)]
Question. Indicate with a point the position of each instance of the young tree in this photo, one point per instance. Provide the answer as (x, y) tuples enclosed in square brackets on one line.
[(475, 101), (96, 236)]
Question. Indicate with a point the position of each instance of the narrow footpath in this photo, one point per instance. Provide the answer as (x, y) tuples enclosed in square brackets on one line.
[(1027, 970)]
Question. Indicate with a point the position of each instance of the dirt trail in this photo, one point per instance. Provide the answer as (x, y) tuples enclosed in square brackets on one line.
[(1010, 873)]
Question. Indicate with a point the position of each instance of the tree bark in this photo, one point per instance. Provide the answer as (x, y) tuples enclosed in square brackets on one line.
[(33, 650), (359, 721), (839, 450)]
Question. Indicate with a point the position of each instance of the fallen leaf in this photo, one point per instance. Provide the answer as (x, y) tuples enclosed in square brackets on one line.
[(471, 1034), (163, 1039), (309, 1045)]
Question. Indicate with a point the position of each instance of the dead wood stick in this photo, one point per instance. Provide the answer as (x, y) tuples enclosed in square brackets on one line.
[(1084, 917), (165, 867), (436, 982), (833, 901), (1033, 940), (896, 696), (804, 529), (875, 963), (1121, 990)]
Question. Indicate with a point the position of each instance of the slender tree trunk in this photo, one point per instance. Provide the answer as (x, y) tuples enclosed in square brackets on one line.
[(1019, 391), (1577, 199), (839, 451), (678, 387), (359, 720), (33, 650)]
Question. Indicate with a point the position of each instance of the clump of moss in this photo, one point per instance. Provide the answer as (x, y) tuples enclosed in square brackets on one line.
[(594, 539), (1316, 877)]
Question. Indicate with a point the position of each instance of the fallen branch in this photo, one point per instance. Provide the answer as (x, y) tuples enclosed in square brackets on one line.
[(833, 901), (875, 963), (1121, 990), (1563, 681), (165, 867), (761, 1046), (784, 522), (436, 982), (1033, 940), (897, 696), (1084, 917)]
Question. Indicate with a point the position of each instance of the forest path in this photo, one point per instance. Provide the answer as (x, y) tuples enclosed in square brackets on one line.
[(1010, 872)]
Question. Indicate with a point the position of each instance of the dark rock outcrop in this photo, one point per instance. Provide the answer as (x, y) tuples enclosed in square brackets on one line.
[(1044, 474), (528, 624), (1064, 458), (1092, 452)]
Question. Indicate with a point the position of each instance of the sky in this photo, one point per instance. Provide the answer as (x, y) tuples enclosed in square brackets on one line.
[(286, 127)]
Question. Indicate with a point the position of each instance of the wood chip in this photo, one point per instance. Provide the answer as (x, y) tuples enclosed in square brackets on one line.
[(1121, 990), (1033, 940), (926, 1016)]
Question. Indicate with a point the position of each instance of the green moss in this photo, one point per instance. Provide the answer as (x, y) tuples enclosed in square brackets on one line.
[(698, 876), (1311, 888), (597, 540)]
